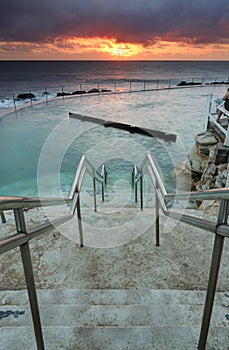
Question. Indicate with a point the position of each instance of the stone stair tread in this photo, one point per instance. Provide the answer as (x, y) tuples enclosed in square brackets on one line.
[(113, 338), (116, 315), (111, 297), (109, 230)]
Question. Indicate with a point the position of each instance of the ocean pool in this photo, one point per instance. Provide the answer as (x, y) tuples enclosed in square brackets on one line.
[(41, 146)]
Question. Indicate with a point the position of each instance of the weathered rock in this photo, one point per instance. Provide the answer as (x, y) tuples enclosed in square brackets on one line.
[(207, 173), (206, 141), (105, 90), (206, 138), (207, 180), (26, 96), (210, 207), (183, 176), (78, 92), (59, 94), (93, 90), (218, 82), (181, 169), (185, 83), (182, 83), (198, 161), (221, 178)]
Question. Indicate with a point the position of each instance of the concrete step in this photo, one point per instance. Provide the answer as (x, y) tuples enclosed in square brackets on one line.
[(113, 308), (112, 297), (113, 338), (113, 319), (118, 194), (114, 315), (108, 227)]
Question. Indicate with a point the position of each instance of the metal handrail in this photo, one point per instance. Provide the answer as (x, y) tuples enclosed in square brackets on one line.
[(83, 167), (214, 194), (10, 203), (219, 228), (103, 176), (135, 174), (150, 165), (23, 236)]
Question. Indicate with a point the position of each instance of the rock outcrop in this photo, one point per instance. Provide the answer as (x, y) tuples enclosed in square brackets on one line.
[(92, 91), (26, 96), (204, 165)]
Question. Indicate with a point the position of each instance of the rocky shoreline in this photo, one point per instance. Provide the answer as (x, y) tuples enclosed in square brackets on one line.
[(206, 167)]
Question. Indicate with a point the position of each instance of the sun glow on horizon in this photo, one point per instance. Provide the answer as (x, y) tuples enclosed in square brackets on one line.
[(108, 49)]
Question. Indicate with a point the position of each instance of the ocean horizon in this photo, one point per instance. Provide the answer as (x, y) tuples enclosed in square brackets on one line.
[(55, 76)]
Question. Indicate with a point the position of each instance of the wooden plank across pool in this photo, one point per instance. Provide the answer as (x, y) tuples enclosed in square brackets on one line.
[(127, 127)]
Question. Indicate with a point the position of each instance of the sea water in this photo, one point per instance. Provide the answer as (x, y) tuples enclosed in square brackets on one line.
[(41, 146), (53, 76)]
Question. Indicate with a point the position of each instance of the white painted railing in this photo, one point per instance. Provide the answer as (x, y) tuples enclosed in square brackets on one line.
[(210, 117)]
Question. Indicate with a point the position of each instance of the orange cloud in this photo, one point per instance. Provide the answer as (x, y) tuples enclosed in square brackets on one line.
[(102, 29), (106, 48)]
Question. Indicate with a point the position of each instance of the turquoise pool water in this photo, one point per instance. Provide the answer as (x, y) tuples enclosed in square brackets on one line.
[(41, 146)]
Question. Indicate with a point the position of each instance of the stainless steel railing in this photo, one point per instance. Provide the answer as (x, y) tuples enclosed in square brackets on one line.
[(104, 180), (23, 236), (83, 167), (220, 228)]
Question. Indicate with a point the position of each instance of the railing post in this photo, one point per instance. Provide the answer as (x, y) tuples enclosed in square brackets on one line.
[(15, 106), (102, 190), (104, 181), (29, 277), (141, 191), (133, 178), (105, 176), (31, 101), (157, 220), (207, 112), (135, 191), (94, 191), (2, 216), (46, 95), (28, 271), (79, 220), (213, 276)]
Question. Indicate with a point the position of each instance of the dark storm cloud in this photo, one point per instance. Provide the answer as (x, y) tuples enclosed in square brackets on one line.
[(138, 21)]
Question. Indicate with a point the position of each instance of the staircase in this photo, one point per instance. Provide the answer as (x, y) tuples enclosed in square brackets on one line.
[(120, 291), (113, 319)]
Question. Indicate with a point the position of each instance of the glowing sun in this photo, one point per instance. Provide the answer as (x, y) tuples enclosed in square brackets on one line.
[(122, 51)]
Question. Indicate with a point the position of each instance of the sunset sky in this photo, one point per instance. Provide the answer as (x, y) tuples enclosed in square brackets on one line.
[(114, 29)]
